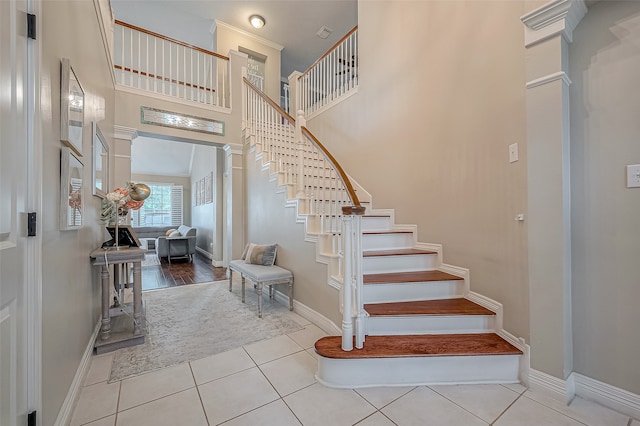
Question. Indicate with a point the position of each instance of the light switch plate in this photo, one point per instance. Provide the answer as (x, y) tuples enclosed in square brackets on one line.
[(513, 152), (633, 176)]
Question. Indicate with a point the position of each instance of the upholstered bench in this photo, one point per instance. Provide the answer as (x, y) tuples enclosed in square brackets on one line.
[(261, 276)]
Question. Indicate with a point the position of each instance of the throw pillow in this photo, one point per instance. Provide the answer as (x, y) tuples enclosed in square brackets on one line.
[(166, 234), (244, 252), (175, 233), (261, 254)]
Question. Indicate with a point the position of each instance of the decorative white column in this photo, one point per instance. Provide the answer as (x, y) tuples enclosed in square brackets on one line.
[(120, 172), (233, 216), (547, 32)]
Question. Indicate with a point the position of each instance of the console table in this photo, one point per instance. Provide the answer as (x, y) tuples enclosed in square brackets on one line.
[(127, 330)]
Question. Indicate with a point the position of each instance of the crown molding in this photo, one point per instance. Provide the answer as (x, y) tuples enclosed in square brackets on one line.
[(551, 19), (249, 35), (122, 132)]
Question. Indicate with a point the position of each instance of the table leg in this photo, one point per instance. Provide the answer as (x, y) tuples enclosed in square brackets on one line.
[(291, 295), (242, 288), (138, 319), (105, 328)]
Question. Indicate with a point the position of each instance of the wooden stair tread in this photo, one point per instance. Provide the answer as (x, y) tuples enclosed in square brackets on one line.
[(385, 232), (419, 345), (396, 252), (458, 306), (409, 277)]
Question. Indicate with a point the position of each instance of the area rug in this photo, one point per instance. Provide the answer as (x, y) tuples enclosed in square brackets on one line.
[(150, 259), (190, 322)]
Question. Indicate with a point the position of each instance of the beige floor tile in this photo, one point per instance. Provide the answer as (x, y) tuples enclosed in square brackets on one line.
[(273, 414), (422, 405), (319, 405), (635, 422), (516, 387), (298, 319), (312, 352), (270, 349), (157, 384), (220, 365), (182, 408), (485, 401), (231, 396), (107, 421), (291, 373), (307, 336), (99, 369), (381, 396), (527, 412), (95, 402), (376, 419)]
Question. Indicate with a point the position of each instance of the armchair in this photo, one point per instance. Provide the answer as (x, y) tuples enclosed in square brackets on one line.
[(181, 245)]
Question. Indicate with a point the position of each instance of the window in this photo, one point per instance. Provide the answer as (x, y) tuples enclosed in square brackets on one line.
[(162, 208)]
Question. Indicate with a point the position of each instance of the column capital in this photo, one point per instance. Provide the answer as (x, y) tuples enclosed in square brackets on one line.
[(551, 19), (126, 133)]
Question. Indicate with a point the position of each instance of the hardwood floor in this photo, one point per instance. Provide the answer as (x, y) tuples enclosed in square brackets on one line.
[(181, 272)]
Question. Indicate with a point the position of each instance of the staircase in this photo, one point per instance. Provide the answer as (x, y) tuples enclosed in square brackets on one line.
[(422, 323)]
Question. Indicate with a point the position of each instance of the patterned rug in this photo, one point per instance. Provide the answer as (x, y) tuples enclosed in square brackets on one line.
[(191, 322)]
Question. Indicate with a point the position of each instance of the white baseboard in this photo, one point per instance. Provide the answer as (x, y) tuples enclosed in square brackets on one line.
[(66, 411), (204, 253), (585, 387), (610, 396), (306, 312)]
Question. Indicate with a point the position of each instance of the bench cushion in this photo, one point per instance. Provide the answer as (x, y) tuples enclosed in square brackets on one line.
[(260, 273)]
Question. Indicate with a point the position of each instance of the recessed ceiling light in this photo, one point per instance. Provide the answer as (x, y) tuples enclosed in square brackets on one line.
[(256, 21), (324, 32)]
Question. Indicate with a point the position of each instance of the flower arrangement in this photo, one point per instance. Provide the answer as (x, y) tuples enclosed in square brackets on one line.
[(117, 204)]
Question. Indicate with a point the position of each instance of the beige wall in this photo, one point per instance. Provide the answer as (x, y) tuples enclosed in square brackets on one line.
[(70, 288), (441, 97), (269, 221), (229, 38), (203, 217), (604, 64)]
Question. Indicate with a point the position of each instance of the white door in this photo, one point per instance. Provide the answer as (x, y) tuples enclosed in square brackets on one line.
[(16, 336)]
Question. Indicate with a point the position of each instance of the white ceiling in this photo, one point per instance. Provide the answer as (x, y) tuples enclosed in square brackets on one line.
[(290, 23), (152, 156)]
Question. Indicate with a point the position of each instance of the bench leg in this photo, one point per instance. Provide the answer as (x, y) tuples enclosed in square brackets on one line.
[(242, 288), (270, 292), (230, 278), (291, 295), (259, 300)]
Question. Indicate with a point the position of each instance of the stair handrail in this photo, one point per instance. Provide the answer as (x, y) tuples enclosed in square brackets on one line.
[(154, 63), (284, 145)]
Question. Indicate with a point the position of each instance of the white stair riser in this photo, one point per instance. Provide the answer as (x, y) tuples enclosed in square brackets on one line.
[(387, 241), (429, 324), (376, 223), (416, 371), (407, 263), (406, 292)]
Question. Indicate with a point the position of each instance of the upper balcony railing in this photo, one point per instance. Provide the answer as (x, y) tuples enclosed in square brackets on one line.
[(330, 78), (150, 62)]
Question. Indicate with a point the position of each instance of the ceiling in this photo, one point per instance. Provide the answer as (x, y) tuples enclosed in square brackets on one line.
[(289, 23)]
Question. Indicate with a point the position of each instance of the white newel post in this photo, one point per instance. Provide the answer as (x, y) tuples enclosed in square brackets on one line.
[(357, 275), (300, 121), (347, 320)]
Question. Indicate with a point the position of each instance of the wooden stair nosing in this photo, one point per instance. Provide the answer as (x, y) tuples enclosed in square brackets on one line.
[(418, 345), (396, 252), (434, 307), (407, 277)]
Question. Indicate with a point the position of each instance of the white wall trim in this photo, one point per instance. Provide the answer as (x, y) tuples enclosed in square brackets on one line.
[(306, 312), (610, 396), (64, 415), (204, 253), (327, 107), (488, 303), (551, 19), (235, 149), (140, 92), (459, 272), (123, 132), (560, 75), (556, 387), (249, 35)]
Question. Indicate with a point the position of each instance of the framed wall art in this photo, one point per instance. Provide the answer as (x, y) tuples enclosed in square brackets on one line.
[(100, 163), (71, 184), (71, 107)]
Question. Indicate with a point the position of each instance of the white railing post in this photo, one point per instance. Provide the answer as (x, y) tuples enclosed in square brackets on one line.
[(357, 273), (300, 121), (347, 290), (352, 303)]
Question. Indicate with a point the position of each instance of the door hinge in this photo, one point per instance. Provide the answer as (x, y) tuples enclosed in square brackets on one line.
[(31, 224), (31, 419), (31, 26)]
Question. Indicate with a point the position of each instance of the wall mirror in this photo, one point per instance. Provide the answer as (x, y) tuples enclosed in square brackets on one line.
[(100, 163), (71, 107), (71, 200)]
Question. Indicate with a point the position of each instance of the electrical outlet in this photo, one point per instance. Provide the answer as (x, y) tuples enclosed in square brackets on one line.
[(633, 176), (513, 152)]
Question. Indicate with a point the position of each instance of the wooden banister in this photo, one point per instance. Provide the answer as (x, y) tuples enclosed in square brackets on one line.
[(270, 101), (172, 40)]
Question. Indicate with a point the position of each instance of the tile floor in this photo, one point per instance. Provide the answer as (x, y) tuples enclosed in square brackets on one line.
[(272, 383)]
